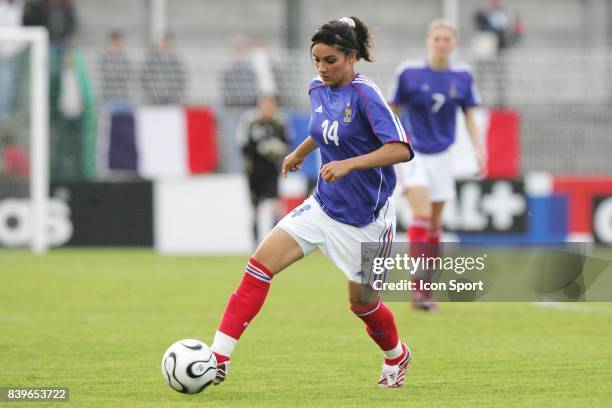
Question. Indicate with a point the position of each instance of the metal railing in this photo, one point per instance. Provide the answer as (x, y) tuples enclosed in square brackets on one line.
[(564, 96)]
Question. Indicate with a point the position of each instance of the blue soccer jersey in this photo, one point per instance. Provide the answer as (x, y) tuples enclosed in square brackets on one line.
[(429, 101), (347, 122)]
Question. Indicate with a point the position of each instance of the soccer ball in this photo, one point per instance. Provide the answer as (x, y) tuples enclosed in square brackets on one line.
[(189, 366)]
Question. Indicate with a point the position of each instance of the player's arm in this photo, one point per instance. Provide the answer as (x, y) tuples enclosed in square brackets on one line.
[(396, 95), (387, 155), (296, 158), (470, 123)]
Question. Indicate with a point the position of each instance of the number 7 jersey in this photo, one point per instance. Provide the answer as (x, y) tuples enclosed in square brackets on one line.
[(347, 122), (429, 100)]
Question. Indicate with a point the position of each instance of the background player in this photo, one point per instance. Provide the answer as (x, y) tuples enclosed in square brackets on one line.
[(360, 139), (426, 95), (263, 136)]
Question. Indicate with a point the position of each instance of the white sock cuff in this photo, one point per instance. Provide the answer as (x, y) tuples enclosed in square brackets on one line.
[(395, 352), (223, 344)]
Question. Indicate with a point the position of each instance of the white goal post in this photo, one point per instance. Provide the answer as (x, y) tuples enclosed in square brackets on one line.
[(38, 39)]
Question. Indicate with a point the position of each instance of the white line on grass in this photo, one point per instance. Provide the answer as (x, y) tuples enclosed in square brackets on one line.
[(573, 307)]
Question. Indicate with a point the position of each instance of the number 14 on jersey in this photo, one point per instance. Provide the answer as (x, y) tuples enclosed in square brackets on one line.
[(330, 132)]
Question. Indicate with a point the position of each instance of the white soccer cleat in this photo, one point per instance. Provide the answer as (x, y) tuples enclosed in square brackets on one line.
[(222, 370), (393, 376)]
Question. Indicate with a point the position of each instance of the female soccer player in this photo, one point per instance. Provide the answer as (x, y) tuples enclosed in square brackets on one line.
[(426, 94), (360, 138)]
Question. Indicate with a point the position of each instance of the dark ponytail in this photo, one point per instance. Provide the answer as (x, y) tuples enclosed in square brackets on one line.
[(341, 34)]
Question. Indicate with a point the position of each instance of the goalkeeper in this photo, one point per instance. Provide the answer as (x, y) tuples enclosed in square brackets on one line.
[(264, 144)]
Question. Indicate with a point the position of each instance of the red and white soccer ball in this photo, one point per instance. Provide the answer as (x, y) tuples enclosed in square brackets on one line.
[(189, 366)]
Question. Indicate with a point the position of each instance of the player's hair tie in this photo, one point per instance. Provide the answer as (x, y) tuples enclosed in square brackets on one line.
[(349, 21)]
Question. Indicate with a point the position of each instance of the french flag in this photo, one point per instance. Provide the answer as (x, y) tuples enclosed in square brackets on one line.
[(500, 132), (163, 142)]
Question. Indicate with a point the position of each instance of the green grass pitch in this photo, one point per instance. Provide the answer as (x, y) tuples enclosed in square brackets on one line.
[(98, 321)]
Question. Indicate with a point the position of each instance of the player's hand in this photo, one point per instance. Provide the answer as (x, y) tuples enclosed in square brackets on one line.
[(481, 161), (292, 162), (334, 170)]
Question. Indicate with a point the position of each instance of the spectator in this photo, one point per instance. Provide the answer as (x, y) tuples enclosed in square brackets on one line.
[(72, 123), (163, 75), (11, 15), (34, 13), (497, 31), (269, 76), (116, 70), (260, 59), (15, 160), (57, 15), (66, 126), (239, 82), (494, 19), (264, 143)]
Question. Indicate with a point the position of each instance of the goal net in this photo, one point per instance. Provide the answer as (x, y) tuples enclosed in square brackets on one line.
[(24, 124)]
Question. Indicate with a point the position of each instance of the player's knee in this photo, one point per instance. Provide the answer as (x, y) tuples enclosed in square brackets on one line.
[(363, 297), (268, 263), (359, 304), (274, 259)]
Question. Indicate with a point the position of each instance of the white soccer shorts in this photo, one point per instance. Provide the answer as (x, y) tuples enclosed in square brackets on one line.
[(339, 242), (434, 171)]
